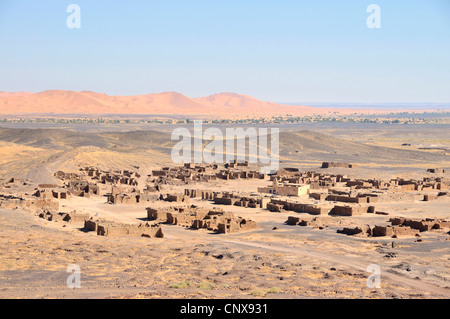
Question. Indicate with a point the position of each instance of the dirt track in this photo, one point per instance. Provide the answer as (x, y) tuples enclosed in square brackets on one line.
[(348, 261)]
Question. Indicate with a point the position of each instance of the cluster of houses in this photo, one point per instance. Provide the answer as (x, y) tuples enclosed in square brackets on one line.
[(190, 172), (97, 175), (194, 217), (315, 193), (399, 227)]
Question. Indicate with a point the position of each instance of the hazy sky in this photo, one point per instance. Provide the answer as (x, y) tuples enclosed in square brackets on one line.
[(277, 50)]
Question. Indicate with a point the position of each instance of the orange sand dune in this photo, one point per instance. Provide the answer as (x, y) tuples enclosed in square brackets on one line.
[(88, 102), (8, 94)]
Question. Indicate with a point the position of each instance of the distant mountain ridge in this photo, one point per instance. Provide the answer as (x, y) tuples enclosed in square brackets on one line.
[(89, 102)]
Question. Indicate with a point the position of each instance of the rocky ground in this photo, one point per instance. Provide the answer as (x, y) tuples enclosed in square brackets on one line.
[(286, 262), (290, 262)]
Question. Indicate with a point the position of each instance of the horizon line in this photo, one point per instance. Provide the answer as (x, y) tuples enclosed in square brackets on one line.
[(315, 103)]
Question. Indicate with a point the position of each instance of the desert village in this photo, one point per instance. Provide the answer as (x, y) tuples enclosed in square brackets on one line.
[(154, 229), (313, 199), (225, 150)]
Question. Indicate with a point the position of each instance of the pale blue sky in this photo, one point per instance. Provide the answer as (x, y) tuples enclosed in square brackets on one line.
[(283, 51)]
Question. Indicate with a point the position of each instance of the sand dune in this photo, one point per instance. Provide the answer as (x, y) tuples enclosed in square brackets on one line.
[(88, 102), (9, 94)]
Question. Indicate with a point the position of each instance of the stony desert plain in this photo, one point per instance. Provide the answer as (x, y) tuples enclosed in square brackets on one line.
[(109, 199)]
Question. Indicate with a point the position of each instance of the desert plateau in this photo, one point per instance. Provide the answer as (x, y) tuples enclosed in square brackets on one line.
[(139, 226)]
